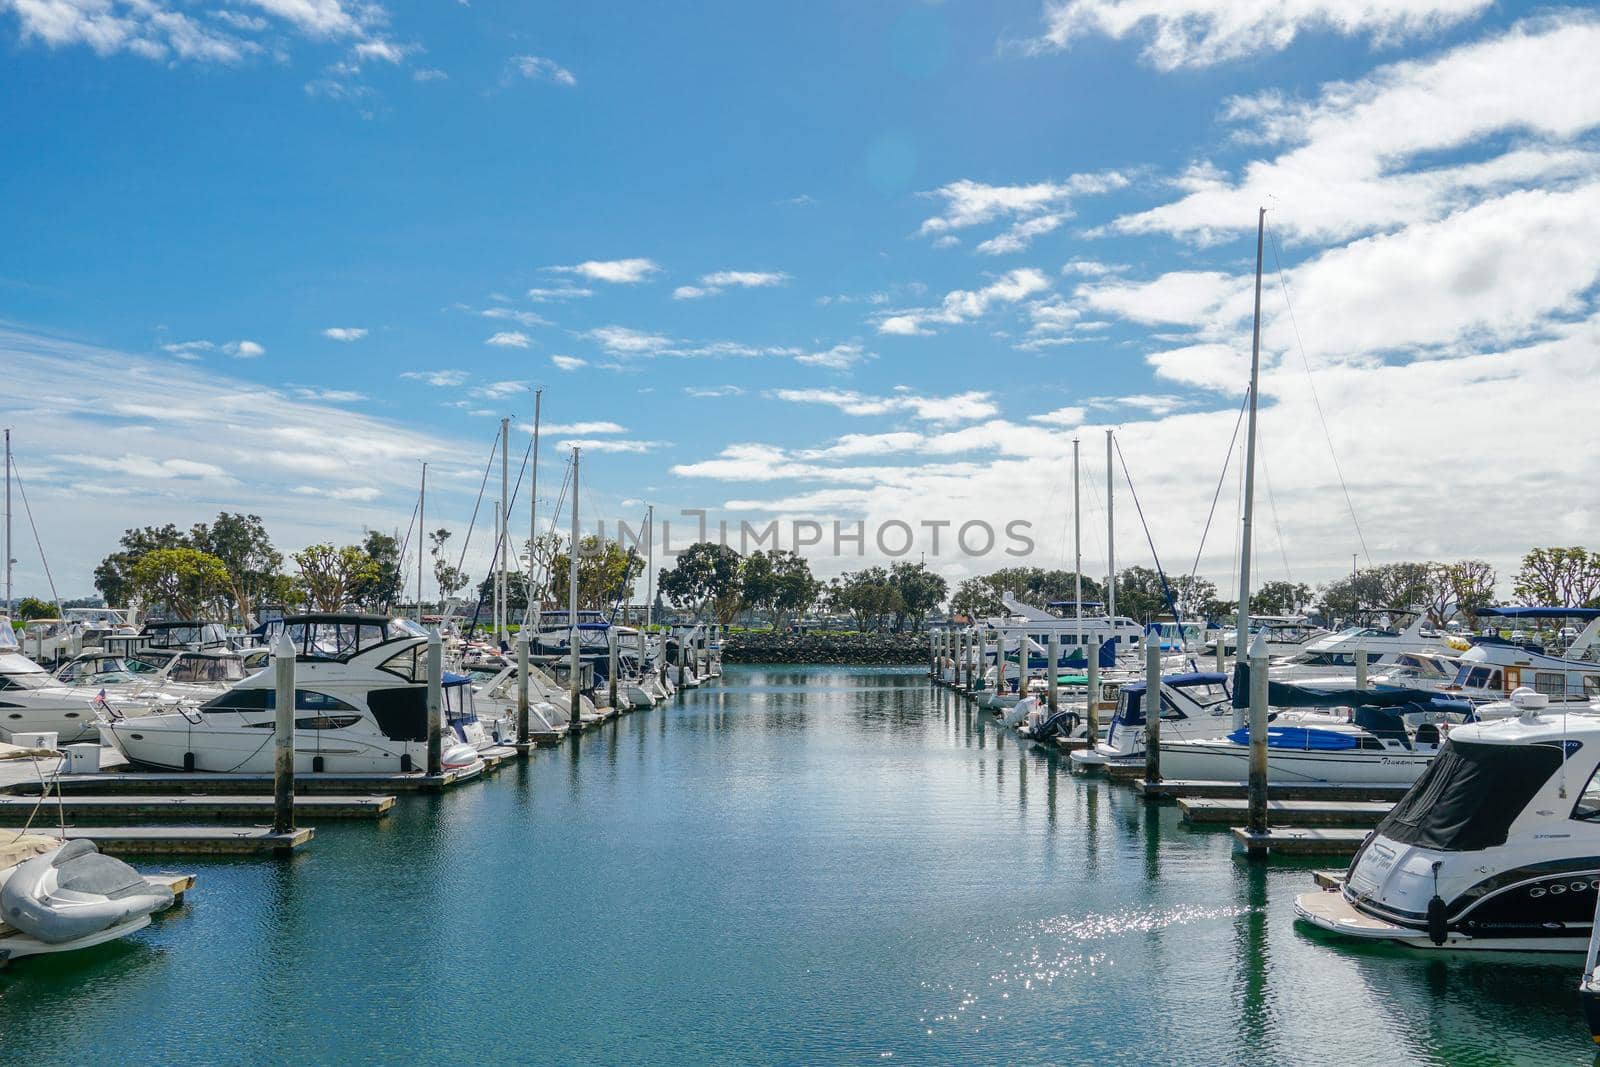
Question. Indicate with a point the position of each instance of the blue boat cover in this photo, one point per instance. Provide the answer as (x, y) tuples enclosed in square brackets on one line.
[(1285, 695), (1516, 612), (1300, 738)]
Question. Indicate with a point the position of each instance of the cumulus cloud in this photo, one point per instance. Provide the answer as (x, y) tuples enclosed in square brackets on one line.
[(344, 333), (839, 357), (960, 407), (539, 68), (614, 271), (568, 362), (443, 379), (509, 339), (963, 305), (1033, 210), (1200, 33)]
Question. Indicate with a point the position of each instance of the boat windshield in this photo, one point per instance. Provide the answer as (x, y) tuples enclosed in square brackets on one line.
[(8, 636), (1470, 794), (207, 669), (341, 638), (26, 680)]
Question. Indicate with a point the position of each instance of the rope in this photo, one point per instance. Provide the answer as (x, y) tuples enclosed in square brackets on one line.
[(1227, 461), (1326, 435), (1166, 590), (28, 510)]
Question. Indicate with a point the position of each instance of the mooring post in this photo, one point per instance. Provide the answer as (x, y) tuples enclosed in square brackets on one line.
[(435, 704), (523, 744), (1222, 655), (933, 654), (1361, 668), (999, 662), (1091, 718), (683, 674), (611, 666), (1256, 820), (283, 753), (1152, 711), (1053, 653)]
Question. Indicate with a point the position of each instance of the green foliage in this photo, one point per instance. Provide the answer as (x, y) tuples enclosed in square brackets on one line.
[(185, 581), (113, 577), (606, 571), (1030, 585), (920, 590), (779, 583), (451, 579), (330, 575), (868, 596), (706, 576), (29, 608), (1568, 577), (1280, 598), (242, 544), (384, 589)]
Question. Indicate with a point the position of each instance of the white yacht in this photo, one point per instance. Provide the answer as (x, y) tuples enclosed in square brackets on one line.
[(1334, 655), (31, 701), (1496, 846), (1196, 704), (360, 698), (1494, 667)]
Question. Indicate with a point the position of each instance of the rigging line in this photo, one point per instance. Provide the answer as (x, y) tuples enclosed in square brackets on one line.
[(28, 510), (1272, 503), (1165, 588), (472, 522), (1317, 401), (1227, 461), (405, 546)]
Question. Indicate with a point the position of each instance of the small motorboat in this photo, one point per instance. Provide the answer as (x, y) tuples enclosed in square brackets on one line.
[(66, 896)]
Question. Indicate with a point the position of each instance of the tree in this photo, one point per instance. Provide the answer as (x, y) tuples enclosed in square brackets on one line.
[(606, 572), (183, 580), (1387, 585), (868, 596), (113, 577), (779, 583), (29, 608), (1280, 598), (705, 576), (387, 584), (1559, 577), (1030, 585), (920, 590), (330, 575), (242, 544), (451, 579), (1472, 582)]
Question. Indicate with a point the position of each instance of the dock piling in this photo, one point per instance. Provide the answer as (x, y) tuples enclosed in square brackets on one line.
[(1361, 668), (1091, 716), (611, 665), (435, 704), (1256, 820), (1152, 711), (524, 745), (1053, 683), (283, 749)]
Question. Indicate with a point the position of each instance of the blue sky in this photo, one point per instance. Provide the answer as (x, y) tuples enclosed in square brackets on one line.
[(856, 261)]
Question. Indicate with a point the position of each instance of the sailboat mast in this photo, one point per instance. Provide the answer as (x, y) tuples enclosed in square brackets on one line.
[(9, 560), (530, 615), (650, 564), (503, 541), (1242, 629), (422, 526), (572, 593), (1111, 537), (1077, 559)]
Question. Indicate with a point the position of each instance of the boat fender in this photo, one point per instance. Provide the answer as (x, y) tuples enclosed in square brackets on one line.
[(1437, 921)]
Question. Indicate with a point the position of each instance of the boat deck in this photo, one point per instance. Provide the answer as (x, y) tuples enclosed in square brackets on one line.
[(1302, 840)]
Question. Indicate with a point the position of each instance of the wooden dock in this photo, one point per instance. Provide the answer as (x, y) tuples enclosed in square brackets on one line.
[(1175, 789), (1328, 879), (1302, 840), (125, 782), (1330, 813), (184, 840), (16, 811)]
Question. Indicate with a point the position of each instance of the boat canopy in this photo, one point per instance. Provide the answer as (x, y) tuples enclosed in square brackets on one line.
[(1286, 695), (1518, 612), (338, 635), (1471, 793)]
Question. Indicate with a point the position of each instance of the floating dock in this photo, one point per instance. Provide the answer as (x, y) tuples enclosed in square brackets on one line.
[(184, 840), (1302, 841), (1176, 789), (17, 811), (314, 783), (1364, 814)]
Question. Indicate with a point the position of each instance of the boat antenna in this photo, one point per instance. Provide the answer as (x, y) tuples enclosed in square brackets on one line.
[(530, 612), (1242, 628)]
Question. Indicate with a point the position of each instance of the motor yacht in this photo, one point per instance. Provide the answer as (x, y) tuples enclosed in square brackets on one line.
[(1194, 704), (1333, 655), (1496, 846), (1285, 635), (1494, 667), (32, 701), (360, 702)]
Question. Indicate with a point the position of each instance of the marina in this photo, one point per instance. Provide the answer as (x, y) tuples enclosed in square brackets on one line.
[(944, 891)]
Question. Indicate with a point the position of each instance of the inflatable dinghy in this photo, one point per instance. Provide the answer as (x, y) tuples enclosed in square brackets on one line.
[(73, 897)]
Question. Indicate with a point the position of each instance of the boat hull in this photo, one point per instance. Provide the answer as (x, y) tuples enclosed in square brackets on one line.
[(1224, 761)]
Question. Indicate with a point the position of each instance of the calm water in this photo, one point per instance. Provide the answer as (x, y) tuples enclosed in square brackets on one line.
[(792, 866)]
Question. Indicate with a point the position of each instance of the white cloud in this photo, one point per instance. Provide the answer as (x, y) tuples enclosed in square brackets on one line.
[(140, 466), (1375, 153), (625, 341), (244, 349), (538, 68), (344, 333), (606, 444), (1198, 33), (614, 271), (962, 305), (839, 357), (1034, 209), (691, 292), (707, 392), (521, 318), (354, 493), (1068, 416), (563, 292), (568, 362), (443, 379), (331, 396), (960, 407), (583, 427), (500, 390), (191, 350), (715, 282), (429, 74), (509, 339)]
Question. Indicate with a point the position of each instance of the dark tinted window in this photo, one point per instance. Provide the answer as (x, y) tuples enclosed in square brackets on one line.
[(267, 700), (1470, 794)]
